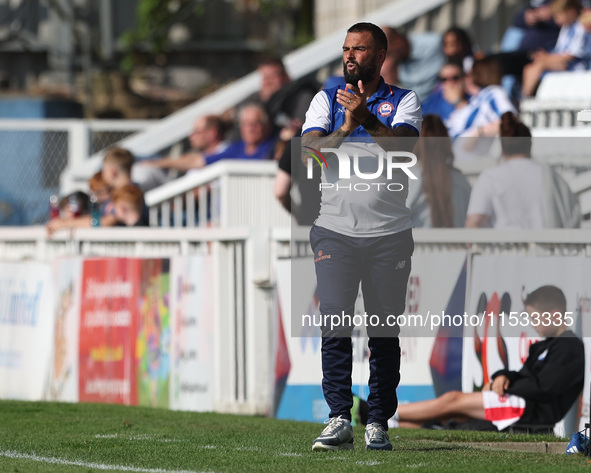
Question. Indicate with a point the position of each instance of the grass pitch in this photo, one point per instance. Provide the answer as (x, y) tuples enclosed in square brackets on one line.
[(53, 437)]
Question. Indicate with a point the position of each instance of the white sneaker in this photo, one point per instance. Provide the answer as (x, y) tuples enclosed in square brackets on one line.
[(376, 437), (337, 435)]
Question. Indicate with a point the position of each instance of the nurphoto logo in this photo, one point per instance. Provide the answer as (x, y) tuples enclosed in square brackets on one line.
[(389, 161)]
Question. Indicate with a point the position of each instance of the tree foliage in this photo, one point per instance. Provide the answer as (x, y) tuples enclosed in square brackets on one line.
[(153, 21)]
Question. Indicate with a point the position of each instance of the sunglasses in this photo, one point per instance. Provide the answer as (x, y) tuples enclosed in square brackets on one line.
[(451, 78)]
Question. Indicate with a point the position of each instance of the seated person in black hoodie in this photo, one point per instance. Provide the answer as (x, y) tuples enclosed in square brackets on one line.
[(539, 394)]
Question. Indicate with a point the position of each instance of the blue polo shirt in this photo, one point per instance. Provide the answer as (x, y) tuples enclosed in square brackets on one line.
[(237, 150), (392, 105)]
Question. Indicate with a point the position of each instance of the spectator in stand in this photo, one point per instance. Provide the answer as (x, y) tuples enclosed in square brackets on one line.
[(538, 27), (398, 52), (285, 101), (116, 173), (256, 141), (117, 165), (449, 94), (520, 192), (101, 190), (129, 207), (439, 197), (74, 205), (533, 29), (207, 139), (478, 121), (571, 52), (457, 46)]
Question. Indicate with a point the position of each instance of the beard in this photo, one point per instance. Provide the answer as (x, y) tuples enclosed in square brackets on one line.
[(365, 73)]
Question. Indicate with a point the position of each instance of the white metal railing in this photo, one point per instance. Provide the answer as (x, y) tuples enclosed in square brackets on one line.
[(241, 274), (560, 97), (230, 193), (548, 242), (584, 116), (20, 243), (244, 280)]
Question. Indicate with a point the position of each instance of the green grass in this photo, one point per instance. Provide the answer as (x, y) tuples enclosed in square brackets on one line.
[(142, 439)]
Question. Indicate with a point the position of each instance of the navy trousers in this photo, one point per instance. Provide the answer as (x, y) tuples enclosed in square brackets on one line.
[(382, 265)]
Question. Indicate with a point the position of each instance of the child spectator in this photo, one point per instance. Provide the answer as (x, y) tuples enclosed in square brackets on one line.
[(571, 51), (117, 165), (116, 173), (128, 202), (74, 205), (101, 190)]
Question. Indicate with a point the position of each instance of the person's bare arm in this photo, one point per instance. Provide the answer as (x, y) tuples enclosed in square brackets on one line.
[(476, 221), (182, 163), (282, 188), (83, 221), (555, 62)]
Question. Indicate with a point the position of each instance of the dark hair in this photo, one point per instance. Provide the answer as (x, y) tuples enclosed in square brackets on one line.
[(78, 202), (463, 37), (546, 299), (379, 37), (455, 62), (515, 136), (487, 71), (436, 159)]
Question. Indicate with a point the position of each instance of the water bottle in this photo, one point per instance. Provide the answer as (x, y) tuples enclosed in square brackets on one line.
[(95, 211)]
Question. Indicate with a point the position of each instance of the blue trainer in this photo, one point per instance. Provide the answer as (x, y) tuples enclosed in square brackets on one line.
[(578, 444)]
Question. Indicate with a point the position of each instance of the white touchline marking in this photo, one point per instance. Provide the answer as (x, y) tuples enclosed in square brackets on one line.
[(99, 466), (368, 463), (137, 437), (290, 454)]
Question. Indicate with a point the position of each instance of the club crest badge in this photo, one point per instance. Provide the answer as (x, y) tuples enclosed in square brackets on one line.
[(385, 109)]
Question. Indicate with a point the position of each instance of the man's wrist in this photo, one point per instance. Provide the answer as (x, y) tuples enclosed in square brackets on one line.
[(371, 123)]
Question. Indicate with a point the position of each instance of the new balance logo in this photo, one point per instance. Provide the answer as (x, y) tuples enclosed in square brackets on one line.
[(400, 264)]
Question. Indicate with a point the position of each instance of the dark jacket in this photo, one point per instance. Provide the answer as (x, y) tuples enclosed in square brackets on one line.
[(550, 380)]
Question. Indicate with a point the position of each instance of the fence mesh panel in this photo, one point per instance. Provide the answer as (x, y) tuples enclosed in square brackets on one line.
[(31, 163)]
